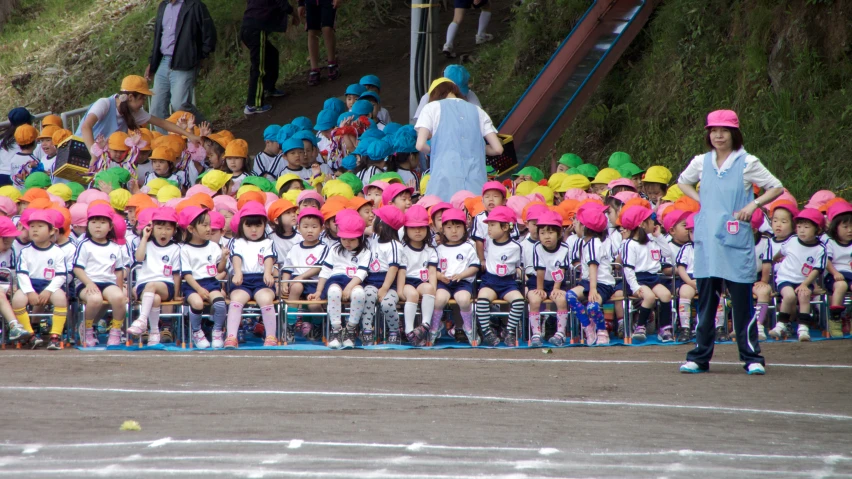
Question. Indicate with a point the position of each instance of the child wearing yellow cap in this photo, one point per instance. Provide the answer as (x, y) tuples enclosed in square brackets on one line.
[(655, 183), (24, 162)]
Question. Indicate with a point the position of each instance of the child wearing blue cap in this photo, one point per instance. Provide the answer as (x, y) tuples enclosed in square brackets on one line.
[(268, 162), (292, 150), (319, 16), (380, 114), (405, 159), (353, 94), (374, 85), (458, 15)]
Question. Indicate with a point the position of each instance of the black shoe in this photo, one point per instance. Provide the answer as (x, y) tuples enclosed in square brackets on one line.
[(683, 335), (490, 339), (511, 341), (460, 336), (35, 341), (314, 78)]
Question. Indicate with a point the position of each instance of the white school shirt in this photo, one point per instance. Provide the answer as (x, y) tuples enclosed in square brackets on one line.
[(528, 248), (99, 261), (161, 263), (479, 228), (283, 245), (68, 249), (686, 258), (639, 258), (6, 158), (383, 116), (553, 263), (614, 237), (253, 253), (267, 166), (8, 259), (574, 246), (599, 253), (799, 260), (386, 255), (367, 173), (453, 259), (773, 247), (761, 250), (341, 261), (44, 264), (840, 255), (424, 100), (668, 248), (47, 164), (236, 182), (303, 173), (418, 261), (142, 169), (754, 172), (200, 261), (430, 118), (327, 240), (178, 176), (22, 165), (302, 255), (409, 178), (17, 246), (503, 259)]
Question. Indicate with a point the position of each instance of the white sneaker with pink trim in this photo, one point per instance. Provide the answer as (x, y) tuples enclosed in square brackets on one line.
[(591, 334), (137, 327), (114, 337), (153, 339), (91, 339), (200, 340)]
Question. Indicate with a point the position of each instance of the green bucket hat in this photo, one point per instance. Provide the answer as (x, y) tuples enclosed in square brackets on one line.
[(588, 170), (617, 159), (531, 171), (107, 177), (629, 170), (264, 184), (571, 160), (353, 181), (122, 175), (76, 189), (37, 180)]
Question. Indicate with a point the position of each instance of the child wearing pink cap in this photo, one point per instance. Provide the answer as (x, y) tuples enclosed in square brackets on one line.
[(549, 257), (458, 265), (344, 269), (78, 222), (493, 195), (383, 280), (201, 261), (597, 255), (761, 289), (801, 263), (41, 271), (839, 265), (685, 283), (302, 266), (398, 196), (503, 263), (99, 266), (159, 255), (253, 257), (421, 279), (373, 191)]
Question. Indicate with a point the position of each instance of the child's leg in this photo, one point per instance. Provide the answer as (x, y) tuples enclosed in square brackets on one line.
[(218, 311), (535, 314), (574, 298), (118, 303), (561, 311), (335, 306), (684, 308), (389, 303), (93, 302), (264, 298), (313, 48), (196, 305), (371, 296), (239, 297), (453, 28), (788, 304), (330, 44), (19, 307), (463, 300), (516, 311), (483, 308), (60, 312), (665, 296), (648, 300), (804, 298), (839, 293), (295, 294), (412, 297)]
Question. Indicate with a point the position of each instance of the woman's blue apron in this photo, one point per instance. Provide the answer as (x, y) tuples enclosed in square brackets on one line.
[(458, 151), (724, 246), (105, 126)]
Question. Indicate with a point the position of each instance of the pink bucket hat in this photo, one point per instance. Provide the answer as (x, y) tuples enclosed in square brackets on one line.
[(573, 194), (813, 215), (820, 198), (79, 214), (172, 203), (310, 195), (494, 186), (100, 210), (143, 219), (725, 118), (199, 188), (310, 212), (165, 213), (270, 198), (394, 190), (391, 215), (120, 231), (438, 208), (674, 217), (634, 216), (690, 221), (454, 214), (622, 182), (217, 221), (188, 215), (591, 215), (661, 208), (517, 204), (7, 228), (55, 199), (549, 218), (502, 214), (429, 201), (458, 198), (757, 219), (839, 208), (350, 225), (536, 197), (7, 206), (625, 196), (51, 217), (227, 203), (382, 185), (416, 216), (88, 196), (535, 212), (786, 196)]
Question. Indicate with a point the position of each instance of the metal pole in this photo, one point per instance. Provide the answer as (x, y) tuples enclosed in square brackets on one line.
[(424, 45)]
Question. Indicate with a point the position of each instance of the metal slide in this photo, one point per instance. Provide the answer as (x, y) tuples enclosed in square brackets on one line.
[(572, 74)]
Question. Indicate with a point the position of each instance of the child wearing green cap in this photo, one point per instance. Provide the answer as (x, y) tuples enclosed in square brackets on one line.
[(568, 161)]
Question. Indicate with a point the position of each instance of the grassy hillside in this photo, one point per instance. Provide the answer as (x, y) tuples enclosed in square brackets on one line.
[(64, 54), (783, 66)]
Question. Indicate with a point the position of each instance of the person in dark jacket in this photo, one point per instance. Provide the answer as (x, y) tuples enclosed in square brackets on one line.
[(261, 18), (184, 36)]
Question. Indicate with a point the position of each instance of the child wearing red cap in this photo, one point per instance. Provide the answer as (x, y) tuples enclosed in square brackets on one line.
[(382, 280), (548, 260), (801, 263), (159, 256), (421, 278), (458, 265), (503, 263), (302, 266), (839, 265)]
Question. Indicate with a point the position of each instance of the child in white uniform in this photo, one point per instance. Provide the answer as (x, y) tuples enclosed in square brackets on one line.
[(550, 261)]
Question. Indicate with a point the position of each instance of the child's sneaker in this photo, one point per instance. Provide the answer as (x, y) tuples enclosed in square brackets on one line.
[(259, 330), (756, 369), (510, 340), (535, 341), (334, 339), (690, 367), (591, 334), (761, 332), (620, 330), (305, 328), (218, 339), (490, 339), (314, 77), (639, 334), (137, 327), (35, 341), (54, 344), (393, 338), (165, 336), (779, 332), (804, 333), (348, 338), (231, 342), (199, 340), (270, 341), (434, 335), (153, 339), (665, 335), (603, 337), (114, 338), (449, 51), (417, 337), (18, 333), (835, 328), (289, 333), (557, 339), (720, 334), (471, 337), (315, 334), (683, 335), (484, 38), (91, 339), (253, 110), (333, 71), (368, 337)]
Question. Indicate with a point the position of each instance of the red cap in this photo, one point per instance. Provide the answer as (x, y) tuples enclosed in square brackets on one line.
[(591, 215), (394, 190), (310, 212), (549, 218), (633, 216), (7, 228), (416, 216), (350, 224), (813, 215), (784, 205), (454, 214), (502, 214)]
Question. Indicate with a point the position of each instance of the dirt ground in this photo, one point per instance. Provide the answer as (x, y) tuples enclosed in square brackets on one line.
[(597, 412)]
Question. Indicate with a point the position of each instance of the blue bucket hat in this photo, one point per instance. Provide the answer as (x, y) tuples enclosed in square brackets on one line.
[(326, 120), (355, 89), (363, 145), (19, 116), (270, 133), (391, 128), (292, 144), (367, 95), (306, 135), (405, 140), (334, 104), (303, 123), (460, 76), (379, 150), (371, 80), (344, 116), (373, 133), (362, 107), (349, 162), (286, 132)]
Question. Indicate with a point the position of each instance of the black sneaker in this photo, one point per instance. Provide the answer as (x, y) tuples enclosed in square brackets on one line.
[(460, 337), (314, 78), (333, 71), (511, 340), (393, 338), (368, 337), (35, 341), (720, 335), (334, 339), (315, 334), (349, 338), (418, 336), (289, 334), (683, 335), (54, 344), (490, 339)]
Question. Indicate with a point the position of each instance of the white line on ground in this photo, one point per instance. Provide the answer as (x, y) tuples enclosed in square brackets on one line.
[(724, 410)]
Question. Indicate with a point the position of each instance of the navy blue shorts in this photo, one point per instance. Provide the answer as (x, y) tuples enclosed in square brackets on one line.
[(679, 282), (101, 286), (829, 280), (502, 285), (784, 284), (169, 286), (252, 283), (532, 284), (377, 280), (309, 288), (340, 279), (604, 290), (416, 282), (468, 4), (650, 280), (40, 284), (456, 286), (210, 284)]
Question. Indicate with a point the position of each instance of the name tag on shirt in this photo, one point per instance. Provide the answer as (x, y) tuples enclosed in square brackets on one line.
[(49, 273), (424, 275), (212, 270), (733, 227), (655, 253), (806, 269), (443, 264), (558, 276), (167, 270), (375, 266), (311, 260), (502, 270), (260, 260), (350, 271)]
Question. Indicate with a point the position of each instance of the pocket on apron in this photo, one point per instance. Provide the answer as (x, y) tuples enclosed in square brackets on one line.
[(733, 233)]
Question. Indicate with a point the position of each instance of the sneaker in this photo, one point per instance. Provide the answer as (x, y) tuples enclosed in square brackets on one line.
[(535, 341), (218, 339), (469, 335), (393, 338), (154, 339), (620, 331), (91, 339), (434, 335), (289, 334), (761, 332), (804, 333), (683, 336), (417, 337), (368, 337), (779, 332), (448, 50), (639, 334), (253, 110), (137, 327), (314, 77), (490, 339), (665, 335), (557, 339), (484, 38), (270, 341), (165, 336), (603, 337), (231, 342), (305, 328), (720, 334), (241, 336), (315, 334), (591, 334), (334, 339), (199, 340), (510, 340), (348, 338), (756, 369), (18, 333), (333, 71), (690, 367), (276, 93), (54, 344), (114, 337), (35, 341), (835, 328)]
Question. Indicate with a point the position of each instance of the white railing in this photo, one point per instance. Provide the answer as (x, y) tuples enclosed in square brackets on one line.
[(38, 118)]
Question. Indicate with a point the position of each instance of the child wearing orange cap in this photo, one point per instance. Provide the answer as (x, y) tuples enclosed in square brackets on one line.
[(24, 162), (164, 165), (237, 163), (282, 218), (48, 149)]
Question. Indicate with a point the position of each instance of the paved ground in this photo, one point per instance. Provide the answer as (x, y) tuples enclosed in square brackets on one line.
[(615, 412)]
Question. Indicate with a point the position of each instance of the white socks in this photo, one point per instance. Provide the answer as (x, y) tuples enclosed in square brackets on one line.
[(484, 18), (427, 308), (410, 312), (451, 33)]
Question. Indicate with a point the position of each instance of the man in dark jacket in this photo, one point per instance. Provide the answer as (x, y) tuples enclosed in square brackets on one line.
[(184, 35), (261, 18)]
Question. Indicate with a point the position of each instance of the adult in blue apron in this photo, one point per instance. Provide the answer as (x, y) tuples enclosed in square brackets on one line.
[(724, 243), (458, 141)]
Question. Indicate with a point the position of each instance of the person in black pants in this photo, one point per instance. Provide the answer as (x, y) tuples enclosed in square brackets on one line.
[(261, 18)]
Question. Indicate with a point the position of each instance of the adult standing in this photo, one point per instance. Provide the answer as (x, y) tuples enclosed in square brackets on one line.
[(724, 244), (184, 36), (461, 135), (261, 18), (461, 77)]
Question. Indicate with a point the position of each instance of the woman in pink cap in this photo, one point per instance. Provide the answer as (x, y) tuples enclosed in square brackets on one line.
[(724, 245), (421, 279)]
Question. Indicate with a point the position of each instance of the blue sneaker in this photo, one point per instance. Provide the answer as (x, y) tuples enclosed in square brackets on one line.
[(690, 367), (251, 110), (755, 369)]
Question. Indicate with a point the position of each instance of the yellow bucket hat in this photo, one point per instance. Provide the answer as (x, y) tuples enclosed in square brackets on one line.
[(546, 192), (575, 182), (246, 189), (337, 188), (284, 179), (657, 174), (423, 183), (166, 193), (292, 196), (606, 175), (117, 198), (525, 187), (155, 185), (555, 182), (61, 190), (673, 193), (216, 179)]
